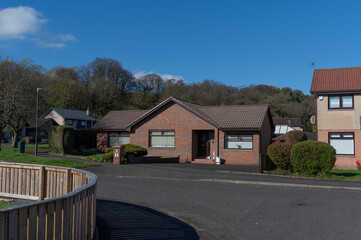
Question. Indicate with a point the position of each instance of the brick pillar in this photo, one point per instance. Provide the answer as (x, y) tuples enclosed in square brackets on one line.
[(118, 155)]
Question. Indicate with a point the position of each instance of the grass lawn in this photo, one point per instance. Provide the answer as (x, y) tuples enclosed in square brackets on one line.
[(345, 174), (5, 204), (10, 154)]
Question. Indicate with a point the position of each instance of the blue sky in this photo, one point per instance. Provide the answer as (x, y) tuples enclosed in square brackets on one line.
[(234, 42)]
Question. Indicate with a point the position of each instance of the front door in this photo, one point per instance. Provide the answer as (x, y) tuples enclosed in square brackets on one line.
[(204, 138)]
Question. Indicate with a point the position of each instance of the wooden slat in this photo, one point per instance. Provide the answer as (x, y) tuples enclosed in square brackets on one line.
[(16, 174), (58, 219), (41, 183), (7, 180), (41, 221), (23, 223), (33, 225), (3, 183), (32, 182), (11, 181), (67, 218), (50, 220), (20, 179), (23, 186), (28, 182), (4, 225), (13, 224), (83, 213), (1, 178)]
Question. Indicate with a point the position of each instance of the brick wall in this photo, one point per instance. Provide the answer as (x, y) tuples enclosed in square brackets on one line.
[(171, 117), (344, 162), (185, 124), (239, 156)]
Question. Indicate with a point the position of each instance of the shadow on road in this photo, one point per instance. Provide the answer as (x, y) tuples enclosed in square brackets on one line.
[(118, 220)]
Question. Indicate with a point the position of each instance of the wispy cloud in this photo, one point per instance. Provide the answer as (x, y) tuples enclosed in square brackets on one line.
[(24, 22), (165, 77)]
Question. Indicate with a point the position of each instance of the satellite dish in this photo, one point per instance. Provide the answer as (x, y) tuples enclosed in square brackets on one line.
[(313, 119), (321, 98)]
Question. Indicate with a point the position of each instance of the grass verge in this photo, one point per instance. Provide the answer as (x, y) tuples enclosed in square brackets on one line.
[(10, 154), (345, 174), (5, 204)]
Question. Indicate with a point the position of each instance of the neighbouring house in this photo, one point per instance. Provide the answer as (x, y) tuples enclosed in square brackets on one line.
[(284, 125), (237, 134), (74, 118), (44, 125), (338, 96)]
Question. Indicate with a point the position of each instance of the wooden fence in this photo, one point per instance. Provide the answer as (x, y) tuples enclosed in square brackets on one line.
[(65, 202)]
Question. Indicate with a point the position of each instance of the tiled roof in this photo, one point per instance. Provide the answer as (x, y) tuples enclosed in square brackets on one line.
[(336, 80), (236, 116), (118, 120), (41, 122), (71, 114), (292, 122), (223, 117)]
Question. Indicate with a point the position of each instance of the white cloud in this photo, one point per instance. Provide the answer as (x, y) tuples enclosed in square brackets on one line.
[(17, 22), (64, 37), (23, 22), (41, 43), (165, 77)]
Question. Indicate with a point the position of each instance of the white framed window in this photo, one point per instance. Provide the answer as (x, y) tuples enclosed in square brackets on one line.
[(238, 141), (118, 138), (161, 138), (344, 143)]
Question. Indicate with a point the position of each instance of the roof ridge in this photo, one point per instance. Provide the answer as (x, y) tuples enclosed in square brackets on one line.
[(234, 105), (336, 68)]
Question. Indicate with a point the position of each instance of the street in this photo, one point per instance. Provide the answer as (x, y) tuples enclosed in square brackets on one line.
[(233, 211)]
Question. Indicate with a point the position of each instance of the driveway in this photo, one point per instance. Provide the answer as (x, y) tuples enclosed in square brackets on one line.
[(235, 211)]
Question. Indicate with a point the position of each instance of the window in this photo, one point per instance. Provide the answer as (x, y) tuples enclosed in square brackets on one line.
[(69, 122), (238, 141), (118, 138), (342, 142), (340, 102), (161, 138)]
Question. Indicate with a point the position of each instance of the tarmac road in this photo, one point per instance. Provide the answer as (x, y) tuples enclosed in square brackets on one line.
[(235, 211)]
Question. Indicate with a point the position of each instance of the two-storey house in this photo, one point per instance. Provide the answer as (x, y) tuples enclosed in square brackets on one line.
[(73, 118), (338, 96)]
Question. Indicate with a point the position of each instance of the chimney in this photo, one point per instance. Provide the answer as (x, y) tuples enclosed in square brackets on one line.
[(87, 112)]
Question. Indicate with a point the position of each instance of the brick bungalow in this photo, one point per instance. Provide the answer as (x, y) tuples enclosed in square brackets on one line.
[(237, 134)]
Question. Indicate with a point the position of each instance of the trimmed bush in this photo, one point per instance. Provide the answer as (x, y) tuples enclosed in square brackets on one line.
[(61, 139), (108, 156), (313, 158), (279, 153), (135, 150), (295, 136)]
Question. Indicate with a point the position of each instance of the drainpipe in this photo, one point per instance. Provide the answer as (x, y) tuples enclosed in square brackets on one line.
[(260, 151)]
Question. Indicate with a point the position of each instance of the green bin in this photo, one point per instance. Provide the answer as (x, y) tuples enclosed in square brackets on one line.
[(22, 147)]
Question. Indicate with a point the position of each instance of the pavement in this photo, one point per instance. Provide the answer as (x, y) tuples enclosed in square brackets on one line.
[(191, 201)]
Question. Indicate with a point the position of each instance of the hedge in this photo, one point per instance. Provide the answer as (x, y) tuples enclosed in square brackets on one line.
[(313, 158), (279, 153), (295, 136), (61, 139), (129, 150)]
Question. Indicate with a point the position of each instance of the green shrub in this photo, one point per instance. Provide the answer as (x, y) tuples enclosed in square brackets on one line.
[(135, 150), (108, 156), (61, 139), (279, 153), (295, 136), (96, 157), (313, 158)]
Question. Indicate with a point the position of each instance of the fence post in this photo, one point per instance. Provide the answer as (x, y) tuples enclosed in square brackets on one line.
[(41, 182)]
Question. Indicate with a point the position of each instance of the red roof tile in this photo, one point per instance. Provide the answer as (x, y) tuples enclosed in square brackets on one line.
[(336, 80)]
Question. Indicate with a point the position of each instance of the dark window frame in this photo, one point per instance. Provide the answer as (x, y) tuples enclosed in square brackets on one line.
[(67, 120), (239, 134), (342, 137), (340, 102), (162, 131)]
